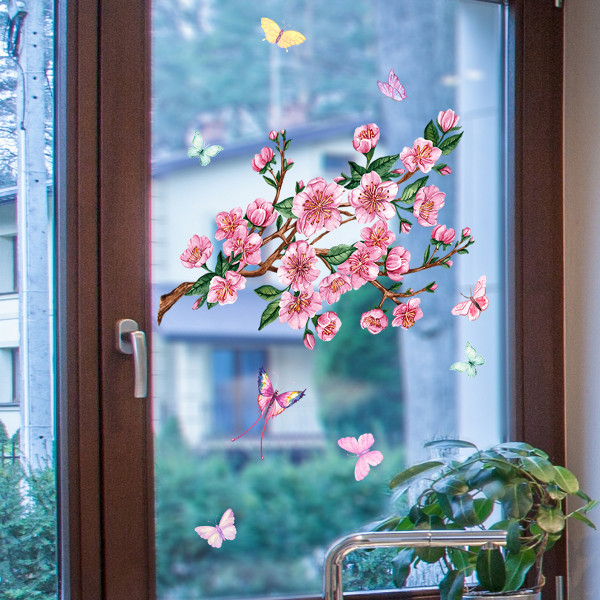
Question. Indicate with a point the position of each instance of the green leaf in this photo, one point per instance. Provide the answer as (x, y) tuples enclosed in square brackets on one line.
[(555, 492), (356, 171), (463, 510), (270, 314), (462, 559), (200, 288), (415, 472), (270, 181), (521, 448), (577, 515), (513, 536), (338, 254), (540, 468), (383, 165), (439, 167), (268, 292), (517, 566), (452, 586), (451, 485), (550, 519), (431, 133), (490, 569), (210, 305), (222, 265), (285, 208), (449, 144), (410, 191), (565, 480), (517, 500), (401, 566), (441, 444), (279, 222), (427, 254), (483, 508)]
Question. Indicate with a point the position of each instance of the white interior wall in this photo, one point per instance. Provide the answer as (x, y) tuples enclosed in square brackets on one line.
[(582, 278)]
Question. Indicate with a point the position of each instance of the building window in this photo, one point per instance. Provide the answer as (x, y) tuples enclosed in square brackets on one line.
[(9, 375), (8, 264)]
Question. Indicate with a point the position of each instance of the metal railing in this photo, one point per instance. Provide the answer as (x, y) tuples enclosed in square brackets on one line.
[(332, 576)]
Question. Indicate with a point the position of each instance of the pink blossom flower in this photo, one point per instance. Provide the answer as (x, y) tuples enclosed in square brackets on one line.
[(466, 232), (447, 119), (398, 171), (196, 304), (374, 321), (373, 198), (397, 263), (328, 324), (361, 266), (300, 184), (379, 235), (296, 310), (316, 206), (224, 290), (197, 253), (246, 245), (449, 262), (282, 131), (405, 226), (421, 156), (441, 234), (228, 222), (338, 179), (445, 170), (365, 137), (260, 160), (272, 135), (427, 203), (298, 265), (434, 287), (309, 341), (406, 314), (261, 213), (333, 286)]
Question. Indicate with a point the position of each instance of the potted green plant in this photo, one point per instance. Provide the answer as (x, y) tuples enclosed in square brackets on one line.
[(512, 486)]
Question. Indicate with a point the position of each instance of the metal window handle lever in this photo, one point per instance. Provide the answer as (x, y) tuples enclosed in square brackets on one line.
[(130, 340)]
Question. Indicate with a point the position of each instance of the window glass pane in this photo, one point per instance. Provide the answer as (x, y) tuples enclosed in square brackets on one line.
[(214, 73), (28, 490)]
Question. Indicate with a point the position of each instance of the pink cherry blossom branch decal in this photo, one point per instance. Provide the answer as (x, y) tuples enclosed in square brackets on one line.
[(367, 458)]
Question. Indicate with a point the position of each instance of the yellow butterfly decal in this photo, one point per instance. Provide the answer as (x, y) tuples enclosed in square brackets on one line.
[(282, 37)]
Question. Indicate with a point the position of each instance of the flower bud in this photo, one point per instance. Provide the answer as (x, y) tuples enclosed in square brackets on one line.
[(273, 135), (309, 341), (445, 170), (447, 119)]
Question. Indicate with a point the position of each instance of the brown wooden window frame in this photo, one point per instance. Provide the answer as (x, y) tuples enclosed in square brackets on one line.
[(104, 435)]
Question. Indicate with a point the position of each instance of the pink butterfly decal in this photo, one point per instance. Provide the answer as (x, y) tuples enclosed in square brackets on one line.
[(393, 88), (270, 403), (366, 456), (225, 530), (475, 304)]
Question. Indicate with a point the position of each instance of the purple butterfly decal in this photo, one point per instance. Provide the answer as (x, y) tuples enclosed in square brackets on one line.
[(270, 403), (393, 88)]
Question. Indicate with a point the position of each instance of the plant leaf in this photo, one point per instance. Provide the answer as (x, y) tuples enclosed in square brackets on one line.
[(383, 165), (406, 477), (451, 485), (490, 569), (451, 587), (577, 515), (517, 500), (285, 208), (449, 444), (268, 292), (340, 253), (449, 144), (517, 566), (200, 288), (513, 537), (540, 468), (410, 191), (401, 566), (431, 133), (550, 519), (565, 480), (270, 314)]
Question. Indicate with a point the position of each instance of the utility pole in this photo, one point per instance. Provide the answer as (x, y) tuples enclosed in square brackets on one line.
[(35, 263)]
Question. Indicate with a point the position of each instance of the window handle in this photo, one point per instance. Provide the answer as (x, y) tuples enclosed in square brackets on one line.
[(130, 340)]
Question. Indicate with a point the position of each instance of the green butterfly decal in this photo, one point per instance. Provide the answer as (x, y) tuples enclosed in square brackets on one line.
[(198, 150), (474, 360)]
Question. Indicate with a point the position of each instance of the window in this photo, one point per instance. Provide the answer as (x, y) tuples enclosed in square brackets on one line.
[(101, 413), (9, 375)]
